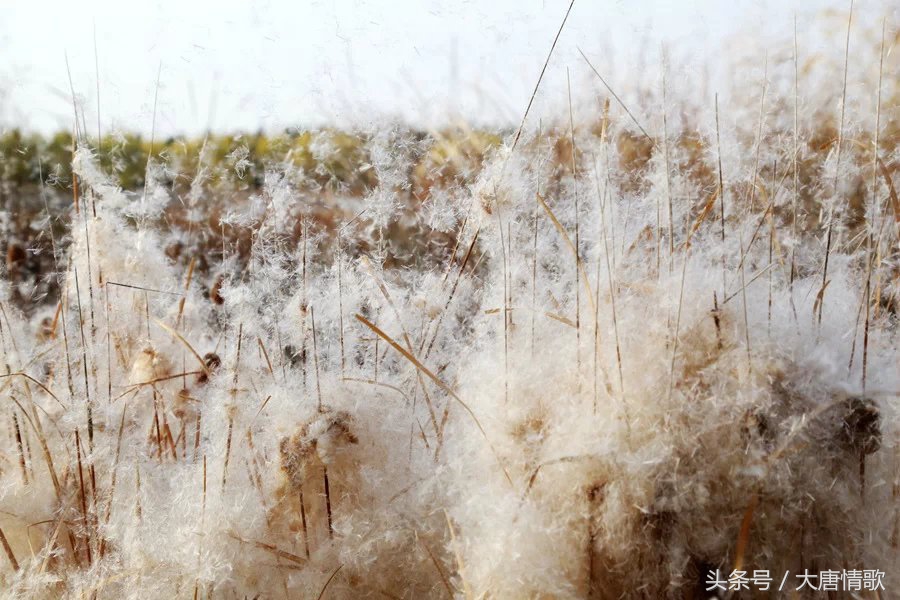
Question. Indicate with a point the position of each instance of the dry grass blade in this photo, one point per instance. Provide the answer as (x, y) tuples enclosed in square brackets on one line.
[(440, 317), (187, 344), (265, 354), (437, 566), (35, 423), (460, 566), (379, 384), (327, 583), (387, 296), (273, 549), (437, 381), (892, 192), (560, 319), (707, 209), (37, 383), (562, 232), (159, 379), (143, 289), (540, 77), (744, 535), (817, 305), (9, 552), (616, 96), (187, 287)]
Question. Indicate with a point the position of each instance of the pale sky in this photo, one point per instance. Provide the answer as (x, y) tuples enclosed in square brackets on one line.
[(232, 65)]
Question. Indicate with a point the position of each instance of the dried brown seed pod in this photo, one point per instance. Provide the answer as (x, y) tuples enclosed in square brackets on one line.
[(183, 407), (861, 426), (212, 362), (15, 260), (294, 356), (149, 365), (15, 256), (215, 292), (295, 453), (173, 250), (45, 330), (319, 439)]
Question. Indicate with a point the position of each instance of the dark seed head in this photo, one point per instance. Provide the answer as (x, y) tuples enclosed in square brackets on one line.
[(212, 362), (294, 356), (860, 427), (215, 292)]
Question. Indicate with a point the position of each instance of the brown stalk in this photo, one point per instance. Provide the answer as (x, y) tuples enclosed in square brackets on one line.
[(571, 245), (536, 86), (460, 565), (9, 552), (303, 520), (327, 500), (115, 468), (266, 356), (390, 301), (327, 583), (865, 359), (180, 338), (233, 407), (744, 534), (271, 548), (837, 165), (612, 299), (312, 318), (437, 566), (459, 274), (83, 499), (20, 448), (505, 259), (616, 96), (202, 519), (187, 286)]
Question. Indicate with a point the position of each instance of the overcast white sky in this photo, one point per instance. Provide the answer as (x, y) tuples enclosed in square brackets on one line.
[(232, 64)]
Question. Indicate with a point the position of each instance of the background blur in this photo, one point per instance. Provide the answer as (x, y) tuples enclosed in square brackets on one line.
[(235, 65)]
